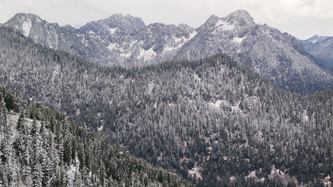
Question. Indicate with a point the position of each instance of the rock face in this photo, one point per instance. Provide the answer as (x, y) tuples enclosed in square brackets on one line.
[(321, 47), (127, 41)]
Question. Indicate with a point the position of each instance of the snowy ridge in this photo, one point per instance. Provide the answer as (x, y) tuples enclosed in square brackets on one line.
[(127, 41)]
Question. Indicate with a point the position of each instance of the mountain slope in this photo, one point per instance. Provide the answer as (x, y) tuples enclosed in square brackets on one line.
[(210, 120), (127, 41), (39, 147), (321, 48), (276, 56)]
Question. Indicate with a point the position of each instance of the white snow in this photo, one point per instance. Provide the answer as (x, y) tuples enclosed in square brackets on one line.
[(314, 41), (147, 54), (179, 41), (327, 181), (78, 112), (100, 128), (126, 55), (112, 31), (236, 108), (251, 175), (305, 116), (12, 121), (26, 26), (112, 46), (91, 32), (224, 25), (73, 169), (196, 77), (55, 72), (168, 48), (238, 40), (194, 172), (150, 87), (216, 104), (232, 178)]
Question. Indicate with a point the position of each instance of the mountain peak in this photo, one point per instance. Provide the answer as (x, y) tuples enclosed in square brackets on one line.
[(126, 24), (26, 16), (316, 39), (23, 22), (240, 15)]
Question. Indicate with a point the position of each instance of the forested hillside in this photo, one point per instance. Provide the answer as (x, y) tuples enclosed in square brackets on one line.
[(39, 147), (210, 120)]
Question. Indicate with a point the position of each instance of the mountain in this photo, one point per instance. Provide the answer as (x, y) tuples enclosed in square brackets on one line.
[(212, 121), (127, 41), (39, 147), (115, 24), (321, 48), (313, 40), (276, 56)]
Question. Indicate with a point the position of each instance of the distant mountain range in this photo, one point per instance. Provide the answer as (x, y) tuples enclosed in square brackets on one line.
[(321, 47), (127, 41)]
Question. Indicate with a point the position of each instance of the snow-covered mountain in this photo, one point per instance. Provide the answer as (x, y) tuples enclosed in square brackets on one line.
[(321, 47), (209, 120), (127, 41), (314, 39), (272, 54)]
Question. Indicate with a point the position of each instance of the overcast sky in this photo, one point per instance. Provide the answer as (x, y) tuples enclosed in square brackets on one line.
[(301, 18)]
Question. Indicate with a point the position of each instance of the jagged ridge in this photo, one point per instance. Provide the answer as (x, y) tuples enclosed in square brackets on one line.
[(127, 41)]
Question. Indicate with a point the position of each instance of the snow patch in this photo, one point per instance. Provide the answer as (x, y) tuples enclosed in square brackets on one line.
[(216, 104), (168, 49), (279, 175), (180, 42), (232, 178), (251, 175), (73, 170), (100, 128), (147, 54), (55, 72), (196, 77), (112, 46), (113, 30), (193, 34), (26, 26), (224, 25), (126, 55), (91, 32), (150, 87), (314, 41), (194, 172), (238, 40), (78, 112), (327, 181)]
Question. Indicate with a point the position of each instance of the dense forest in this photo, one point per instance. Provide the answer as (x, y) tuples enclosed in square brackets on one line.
[(39, 147), (211, 120)]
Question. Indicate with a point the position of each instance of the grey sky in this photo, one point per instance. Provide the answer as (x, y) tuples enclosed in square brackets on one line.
[(301, 18)]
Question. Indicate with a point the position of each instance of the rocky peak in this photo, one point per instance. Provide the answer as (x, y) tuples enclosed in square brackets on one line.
[(32, 26), (315, 39), (211, 22), (24, 16), (116, 22), (240, 16), (23, 22)]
